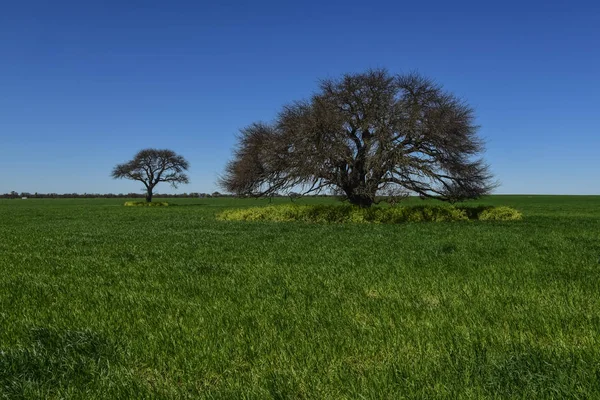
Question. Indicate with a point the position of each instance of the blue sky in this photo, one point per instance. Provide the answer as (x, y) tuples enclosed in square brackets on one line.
[(84, 85)]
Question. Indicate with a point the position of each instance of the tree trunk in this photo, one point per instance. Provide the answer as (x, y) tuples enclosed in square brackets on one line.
[(149, 196), (361, 200)]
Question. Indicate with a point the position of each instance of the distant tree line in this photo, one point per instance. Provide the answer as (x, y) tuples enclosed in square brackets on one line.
[(16, 195)]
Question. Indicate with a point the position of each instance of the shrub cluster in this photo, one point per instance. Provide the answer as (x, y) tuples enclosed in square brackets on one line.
[(351, 214), (500, 214), (145, 204)]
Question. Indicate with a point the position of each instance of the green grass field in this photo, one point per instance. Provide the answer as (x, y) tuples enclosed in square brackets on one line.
[(100, 301)]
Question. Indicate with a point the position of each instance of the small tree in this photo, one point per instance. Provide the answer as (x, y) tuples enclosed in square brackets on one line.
[(152, 166), (361, 135)]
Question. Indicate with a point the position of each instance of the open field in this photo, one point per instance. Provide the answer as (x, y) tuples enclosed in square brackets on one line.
[(98, 300)]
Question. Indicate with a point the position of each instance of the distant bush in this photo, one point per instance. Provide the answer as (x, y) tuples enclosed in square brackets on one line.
[(500, 214), (145, 204), (351, 214)]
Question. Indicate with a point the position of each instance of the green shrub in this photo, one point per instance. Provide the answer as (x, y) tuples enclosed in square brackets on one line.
[(145, 204), (378, 215), (500, 214)]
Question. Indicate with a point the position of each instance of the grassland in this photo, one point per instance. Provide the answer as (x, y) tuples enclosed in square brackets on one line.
[(100, 301)]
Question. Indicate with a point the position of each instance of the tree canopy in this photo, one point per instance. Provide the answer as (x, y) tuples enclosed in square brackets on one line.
[(152, 166), (363, 134)]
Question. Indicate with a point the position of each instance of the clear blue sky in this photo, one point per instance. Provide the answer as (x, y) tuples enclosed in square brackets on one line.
[(84, 84)]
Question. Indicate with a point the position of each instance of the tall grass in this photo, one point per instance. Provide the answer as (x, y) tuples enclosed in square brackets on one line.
[(100, 301)]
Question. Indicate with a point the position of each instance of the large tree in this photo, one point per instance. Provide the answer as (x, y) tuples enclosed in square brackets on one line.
[(152, 166), (363, 134)]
